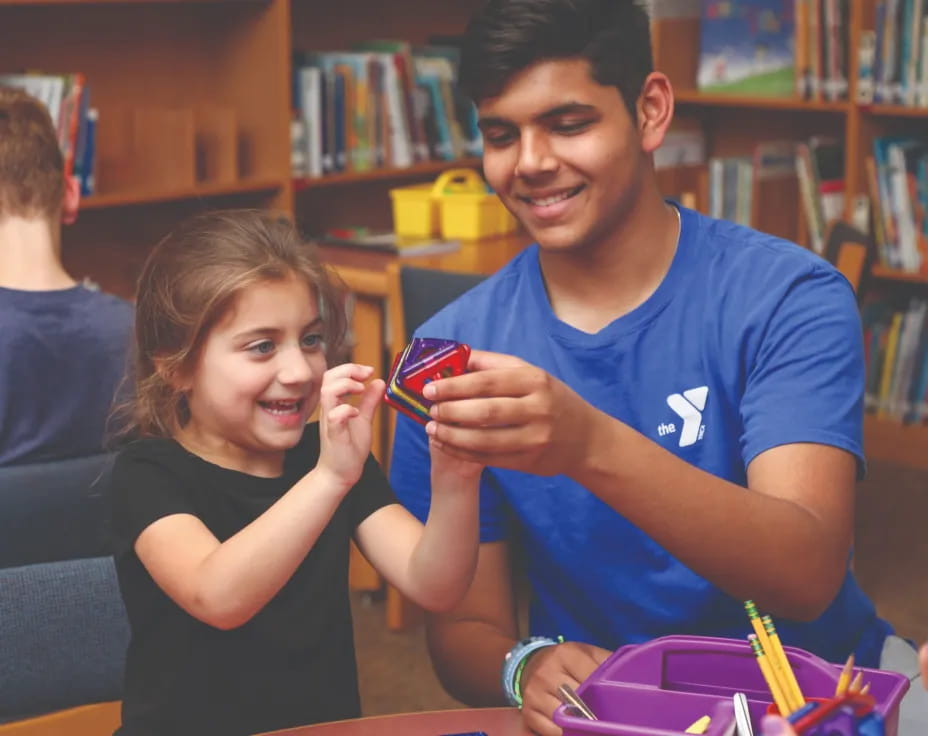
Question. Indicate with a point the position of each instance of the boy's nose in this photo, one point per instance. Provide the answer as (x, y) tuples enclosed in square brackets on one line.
[(535, 155)]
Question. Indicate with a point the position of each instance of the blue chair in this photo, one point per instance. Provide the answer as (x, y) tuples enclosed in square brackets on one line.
[(424, 291), (55, 510), (414, 295), (63, 638)]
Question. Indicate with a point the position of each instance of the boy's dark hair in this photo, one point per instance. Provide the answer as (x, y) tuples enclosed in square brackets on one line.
[(507, 36)]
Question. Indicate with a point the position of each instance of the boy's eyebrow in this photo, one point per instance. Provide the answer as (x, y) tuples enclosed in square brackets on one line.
[(568, 108)]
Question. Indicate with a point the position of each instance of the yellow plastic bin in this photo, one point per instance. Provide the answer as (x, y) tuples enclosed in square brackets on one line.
[(415, 211), (456, 205)]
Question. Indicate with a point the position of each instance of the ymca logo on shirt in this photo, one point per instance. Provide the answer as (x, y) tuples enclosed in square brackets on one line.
[(688, 406)]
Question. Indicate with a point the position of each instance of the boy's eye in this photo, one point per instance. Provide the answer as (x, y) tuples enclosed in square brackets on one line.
[(498, 137), (264, 347), (312, 341), (568, 127)]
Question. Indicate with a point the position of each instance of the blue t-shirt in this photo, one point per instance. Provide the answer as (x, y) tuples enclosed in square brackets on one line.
[(748, 343), (63, 355)]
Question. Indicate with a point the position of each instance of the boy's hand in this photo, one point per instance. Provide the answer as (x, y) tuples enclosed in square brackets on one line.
[(345, 430), (507, 413), (568, 663)]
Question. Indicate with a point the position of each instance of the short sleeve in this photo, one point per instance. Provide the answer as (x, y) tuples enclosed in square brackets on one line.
[(806, 382), (410, 476), (144, 490), (370, 493)]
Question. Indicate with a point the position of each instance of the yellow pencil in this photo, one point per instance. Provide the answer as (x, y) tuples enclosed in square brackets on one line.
[(787, 676), (764, 643), (699, 726), (865, 689), (845, 678), (771, 680)]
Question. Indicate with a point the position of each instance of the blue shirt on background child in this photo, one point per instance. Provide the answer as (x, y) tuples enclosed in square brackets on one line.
[(63, 355)]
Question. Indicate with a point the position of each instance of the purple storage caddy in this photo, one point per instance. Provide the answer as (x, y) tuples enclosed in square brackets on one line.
[(661, 687)]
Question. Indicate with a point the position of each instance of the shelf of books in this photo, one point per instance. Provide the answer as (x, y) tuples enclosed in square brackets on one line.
[(162, 109), (805, 112)]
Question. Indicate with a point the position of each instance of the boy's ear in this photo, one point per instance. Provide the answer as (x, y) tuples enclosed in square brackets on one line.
[(71, 201), (655, 110)]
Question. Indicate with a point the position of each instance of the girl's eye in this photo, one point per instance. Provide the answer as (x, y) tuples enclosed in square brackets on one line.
[(312, 341), (264, 347)]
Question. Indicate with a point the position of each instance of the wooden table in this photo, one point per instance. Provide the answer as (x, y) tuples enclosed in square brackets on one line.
[(492, 721), (373, 279)]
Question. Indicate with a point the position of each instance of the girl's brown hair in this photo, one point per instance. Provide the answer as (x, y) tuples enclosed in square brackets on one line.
[(189, 280)]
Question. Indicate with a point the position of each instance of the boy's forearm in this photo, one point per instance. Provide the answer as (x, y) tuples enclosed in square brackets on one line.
[(739, 539), (468, 659)]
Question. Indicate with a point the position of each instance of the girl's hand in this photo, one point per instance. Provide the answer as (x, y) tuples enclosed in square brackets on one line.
[(345, 429)]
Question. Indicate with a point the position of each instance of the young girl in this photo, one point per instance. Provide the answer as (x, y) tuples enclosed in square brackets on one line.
[(232, 516)]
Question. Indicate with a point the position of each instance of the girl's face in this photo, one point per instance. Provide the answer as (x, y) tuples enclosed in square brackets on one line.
[(257, 378)]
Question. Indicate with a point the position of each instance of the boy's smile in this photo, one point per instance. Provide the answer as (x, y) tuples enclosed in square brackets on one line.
[(551, 204), (257, 378)]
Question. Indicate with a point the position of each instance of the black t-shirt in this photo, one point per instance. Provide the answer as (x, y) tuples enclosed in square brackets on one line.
[(292, 663)]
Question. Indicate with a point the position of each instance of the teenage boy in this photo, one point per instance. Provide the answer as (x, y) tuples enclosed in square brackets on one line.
[(63, 347), (670, 406)]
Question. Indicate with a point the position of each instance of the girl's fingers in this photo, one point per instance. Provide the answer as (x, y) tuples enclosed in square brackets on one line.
[(357, 371), (370, 398), (334, 391), (338, 416)]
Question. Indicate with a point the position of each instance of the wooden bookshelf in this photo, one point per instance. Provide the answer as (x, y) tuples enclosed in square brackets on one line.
[(427, 168), (891, 274), (894, 111), (207, 190), (140, 61), (689, 97), (894, 442)]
